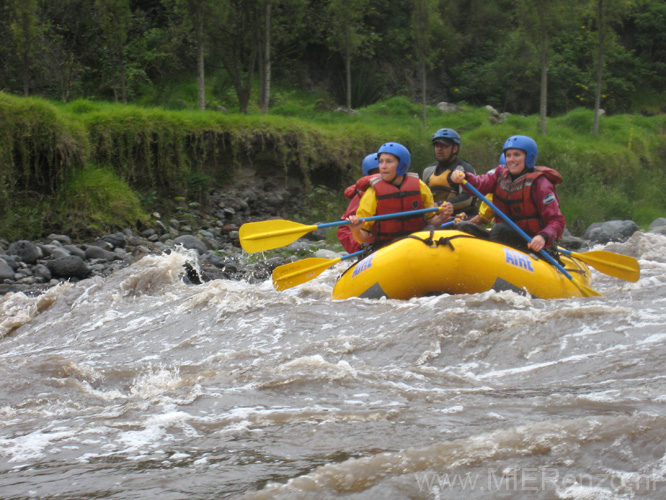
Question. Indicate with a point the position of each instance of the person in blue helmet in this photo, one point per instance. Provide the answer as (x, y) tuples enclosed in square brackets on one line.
[(395, 190), (370, 168), (446, 144), (525, 193)]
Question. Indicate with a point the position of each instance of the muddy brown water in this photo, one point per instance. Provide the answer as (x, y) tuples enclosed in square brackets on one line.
[(140, 386)]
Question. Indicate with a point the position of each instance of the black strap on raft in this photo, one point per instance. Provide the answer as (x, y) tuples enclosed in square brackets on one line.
[(431, 242)]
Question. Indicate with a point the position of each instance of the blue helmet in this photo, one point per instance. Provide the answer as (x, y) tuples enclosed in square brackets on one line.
[(446, 134), (400, 152), (370, 162), (525, 143), (502, 160)]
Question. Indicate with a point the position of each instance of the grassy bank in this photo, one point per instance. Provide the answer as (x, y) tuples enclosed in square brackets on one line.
[(63, 164)]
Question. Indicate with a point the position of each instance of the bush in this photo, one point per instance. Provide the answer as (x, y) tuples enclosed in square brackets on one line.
[(94, 201)]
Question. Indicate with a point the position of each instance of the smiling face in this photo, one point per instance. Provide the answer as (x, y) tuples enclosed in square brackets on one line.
[(515, 160), (388, 166)]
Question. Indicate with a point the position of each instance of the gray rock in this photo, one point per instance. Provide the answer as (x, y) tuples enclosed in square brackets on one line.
[(13, 261), (447, 107), (659, 230), (215, 260), (25, 251), (160, 227), (134, 241), (615, 230), (661, 221), (46, 249), (192, 242), (68, 267), (210, 243), (104, 245), (6, 272), (41, 271), (316, 235), (116, 240), (59, 253), (93, 252), (60, 238), (74, 250), (570, 241)]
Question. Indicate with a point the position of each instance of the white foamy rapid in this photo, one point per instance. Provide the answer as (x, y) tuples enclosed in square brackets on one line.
[(140, 386)]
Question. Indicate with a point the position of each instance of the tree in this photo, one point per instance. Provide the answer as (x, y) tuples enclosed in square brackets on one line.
[(541, 20), (26, 29), (115, 17), (346, 25), (606, 12), (71, 44), (197, 16), (265, 68), (236, 36), (424, 18)]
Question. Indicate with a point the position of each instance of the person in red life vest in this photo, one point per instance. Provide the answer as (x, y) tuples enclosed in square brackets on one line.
[(523, 192), (394, 191), (370, 167)]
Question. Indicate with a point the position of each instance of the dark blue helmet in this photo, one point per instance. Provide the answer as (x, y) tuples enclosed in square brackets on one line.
[(370, 162), (525, 143), (446, 134), (400, 152), (502, 160)]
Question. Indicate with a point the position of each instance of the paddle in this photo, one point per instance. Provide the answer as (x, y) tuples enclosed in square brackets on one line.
[(613, 264), (269, 234), (586, 291), (295, 273)]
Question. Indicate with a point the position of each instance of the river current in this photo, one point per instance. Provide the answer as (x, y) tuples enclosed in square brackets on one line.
[(141, 386)]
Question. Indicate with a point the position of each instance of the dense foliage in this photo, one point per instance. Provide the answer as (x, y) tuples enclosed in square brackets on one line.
[(478, 52), (87, 167), (107, 128)]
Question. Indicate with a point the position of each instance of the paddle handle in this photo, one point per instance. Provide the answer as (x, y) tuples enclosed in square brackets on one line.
[(379, 217), (352, 255), (515, 227)]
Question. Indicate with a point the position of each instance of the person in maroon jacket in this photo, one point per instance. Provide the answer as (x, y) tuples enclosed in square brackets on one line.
[(524, 192), (370, 167)]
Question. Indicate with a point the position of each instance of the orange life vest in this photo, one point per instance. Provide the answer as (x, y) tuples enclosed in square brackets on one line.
[(392, 199), (514, 197)]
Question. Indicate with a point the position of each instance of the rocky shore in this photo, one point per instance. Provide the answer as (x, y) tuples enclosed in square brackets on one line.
[(34, 266)]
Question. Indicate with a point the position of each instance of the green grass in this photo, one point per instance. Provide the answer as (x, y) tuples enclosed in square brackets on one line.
[(96, 201), (159, 152)]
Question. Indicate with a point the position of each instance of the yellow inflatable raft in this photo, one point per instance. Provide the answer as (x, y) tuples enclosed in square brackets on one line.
[(455, 262)]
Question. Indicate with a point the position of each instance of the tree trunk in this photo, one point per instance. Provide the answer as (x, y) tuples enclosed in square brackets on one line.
[(600, 68), (123, 80), (423, 94), (201, 81), (266, 89), (543, 101), (26, 77), (348, 68)]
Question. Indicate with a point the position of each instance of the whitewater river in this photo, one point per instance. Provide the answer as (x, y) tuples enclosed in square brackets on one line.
[(140, 386)]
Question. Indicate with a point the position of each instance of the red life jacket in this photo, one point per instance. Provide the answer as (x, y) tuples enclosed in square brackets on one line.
[(360, 186), (514, 197), (392, 199)]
